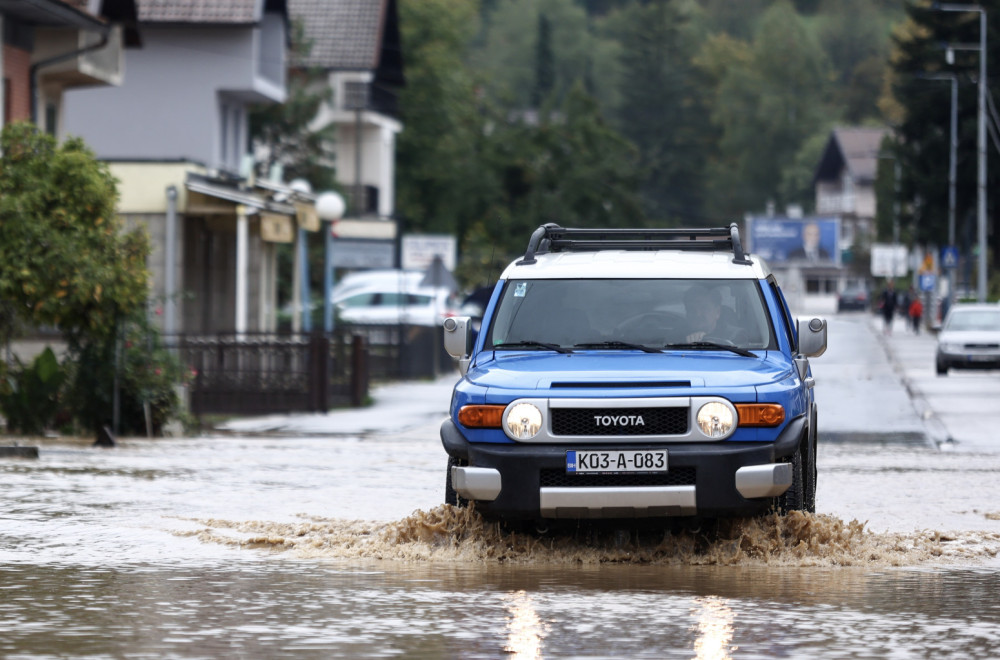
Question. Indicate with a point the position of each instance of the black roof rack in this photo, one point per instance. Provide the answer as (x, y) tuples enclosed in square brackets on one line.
[(553, 238)]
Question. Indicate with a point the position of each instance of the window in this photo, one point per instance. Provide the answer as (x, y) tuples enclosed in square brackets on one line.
[(654, 312), (51, 118)]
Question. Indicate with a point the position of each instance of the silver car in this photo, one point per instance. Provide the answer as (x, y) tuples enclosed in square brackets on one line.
[(969, 338)]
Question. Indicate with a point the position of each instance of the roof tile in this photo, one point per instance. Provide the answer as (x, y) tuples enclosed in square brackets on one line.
[(345, 34), (197, 11)]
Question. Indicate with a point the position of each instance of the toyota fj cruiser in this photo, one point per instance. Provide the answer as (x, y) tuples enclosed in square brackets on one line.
[(629, 373)]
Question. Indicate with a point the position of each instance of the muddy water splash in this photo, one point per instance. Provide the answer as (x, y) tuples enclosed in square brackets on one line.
[(461, 535)]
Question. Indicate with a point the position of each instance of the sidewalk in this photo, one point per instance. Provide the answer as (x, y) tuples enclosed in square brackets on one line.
[(859, 389), (912, 358), (396, 407)]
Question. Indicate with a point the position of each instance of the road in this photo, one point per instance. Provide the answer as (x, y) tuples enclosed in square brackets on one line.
[(324, 536)]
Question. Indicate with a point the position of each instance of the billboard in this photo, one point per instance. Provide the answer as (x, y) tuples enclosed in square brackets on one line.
[(419, 251), (801, 241), (889, 260)]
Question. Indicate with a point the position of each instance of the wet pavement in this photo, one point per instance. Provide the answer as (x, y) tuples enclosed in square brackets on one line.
[(323, 536)]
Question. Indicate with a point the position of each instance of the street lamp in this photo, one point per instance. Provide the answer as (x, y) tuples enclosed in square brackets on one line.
[(330, 207), (303, 315), (980, 142)]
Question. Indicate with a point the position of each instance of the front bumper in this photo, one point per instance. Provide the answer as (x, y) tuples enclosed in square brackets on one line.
[(968, 359), (523, 481)]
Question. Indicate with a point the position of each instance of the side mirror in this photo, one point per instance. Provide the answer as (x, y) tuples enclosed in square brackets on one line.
[(812, 337), (458, 340)]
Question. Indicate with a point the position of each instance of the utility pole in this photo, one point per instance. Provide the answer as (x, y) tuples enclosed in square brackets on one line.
[(980, 143)]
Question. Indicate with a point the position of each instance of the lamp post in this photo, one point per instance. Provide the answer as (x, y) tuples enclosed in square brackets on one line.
[(329, 207), (980, 142), (303, 297)]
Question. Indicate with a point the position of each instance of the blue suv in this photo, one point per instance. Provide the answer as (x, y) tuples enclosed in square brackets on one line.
[(633, 373)]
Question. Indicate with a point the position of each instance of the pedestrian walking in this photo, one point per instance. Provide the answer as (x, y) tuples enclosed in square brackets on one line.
[(903, 305), (916, 313), (887, 303)]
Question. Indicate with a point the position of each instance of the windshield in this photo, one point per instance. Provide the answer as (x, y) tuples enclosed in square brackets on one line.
[(614, 314), (979, 319)]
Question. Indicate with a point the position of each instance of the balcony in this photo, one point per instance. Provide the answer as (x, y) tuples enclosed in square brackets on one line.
[(368, 96), (836, 203)]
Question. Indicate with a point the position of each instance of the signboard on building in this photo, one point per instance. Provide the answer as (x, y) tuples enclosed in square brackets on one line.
[(889, 260), (357, 253), (419, 250), (801, 241), (276, 228)]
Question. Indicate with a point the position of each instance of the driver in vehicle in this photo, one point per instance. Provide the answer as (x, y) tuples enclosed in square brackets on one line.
[(703, 306)]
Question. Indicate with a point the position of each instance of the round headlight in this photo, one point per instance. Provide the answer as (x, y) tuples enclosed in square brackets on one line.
[(523, 421), (715, 419)]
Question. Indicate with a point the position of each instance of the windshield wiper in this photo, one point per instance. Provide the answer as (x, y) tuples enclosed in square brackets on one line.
[(712, 346), (530, 343), (618, 344)]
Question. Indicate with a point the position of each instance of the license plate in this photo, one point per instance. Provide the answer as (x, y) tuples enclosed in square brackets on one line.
[(597, 461)]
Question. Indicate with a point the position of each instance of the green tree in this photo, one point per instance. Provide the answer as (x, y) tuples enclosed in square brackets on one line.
[(65, 263), (571, 168), (922, 146), (769, 100), (507, 59), (855, 36), (282, 134), (63, 260), (545, 66), (443, 183), (662, 110)]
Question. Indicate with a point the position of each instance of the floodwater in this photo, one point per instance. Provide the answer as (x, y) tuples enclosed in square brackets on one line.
[(320, 547)]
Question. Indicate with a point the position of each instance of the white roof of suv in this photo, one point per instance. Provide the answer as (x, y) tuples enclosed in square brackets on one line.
[(631, 264)]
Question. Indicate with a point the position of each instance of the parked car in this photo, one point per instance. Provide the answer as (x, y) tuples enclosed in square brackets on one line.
[(395, 301), (376, 277), (853, 298), (969, 338), (633, 374)]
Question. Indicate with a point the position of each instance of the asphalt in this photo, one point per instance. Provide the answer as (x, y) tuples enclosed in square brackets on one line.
[(864, 376), (911, 355)]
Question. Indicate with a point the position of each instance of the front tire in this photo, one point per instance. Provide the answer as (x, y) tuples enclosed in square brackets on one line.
[(794, 499), (941, 367), (809, 471)]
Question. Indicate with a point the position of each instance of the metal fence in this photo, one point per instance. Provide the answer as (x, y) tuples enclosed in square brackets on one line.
[(265, 373)]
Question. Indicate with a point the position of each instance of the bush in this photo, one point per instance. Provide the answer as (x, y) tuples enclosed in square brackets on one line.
[(148, 375), (31, 395)]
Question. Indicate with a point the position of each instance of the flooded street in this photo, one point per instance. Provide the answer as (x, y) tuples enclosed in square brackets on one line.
[(336, 545)]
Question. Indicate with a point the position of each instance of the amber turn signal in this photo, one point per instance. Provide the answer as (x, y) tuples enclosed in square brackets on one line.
[(481, 417), (760, 414)]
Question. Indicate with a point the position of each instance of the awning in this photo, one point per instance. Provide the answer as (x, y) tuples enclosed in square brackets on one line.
[(51, 13), (230, 192)]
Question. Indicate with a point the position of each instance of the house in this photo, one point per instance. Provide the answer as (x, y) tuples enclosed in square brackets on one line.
[(845, 181), (50, 46), (175, 133), (357, 44)]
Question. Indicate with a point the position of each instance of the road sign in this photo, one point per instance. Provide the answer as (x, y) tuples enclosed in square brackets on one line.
[(888, 260), (949, 257), (927, 281)]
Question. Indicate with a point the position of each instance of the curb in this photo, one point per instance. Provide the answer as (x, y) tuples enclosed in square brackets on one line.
[(934, 429), (18, 452)]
